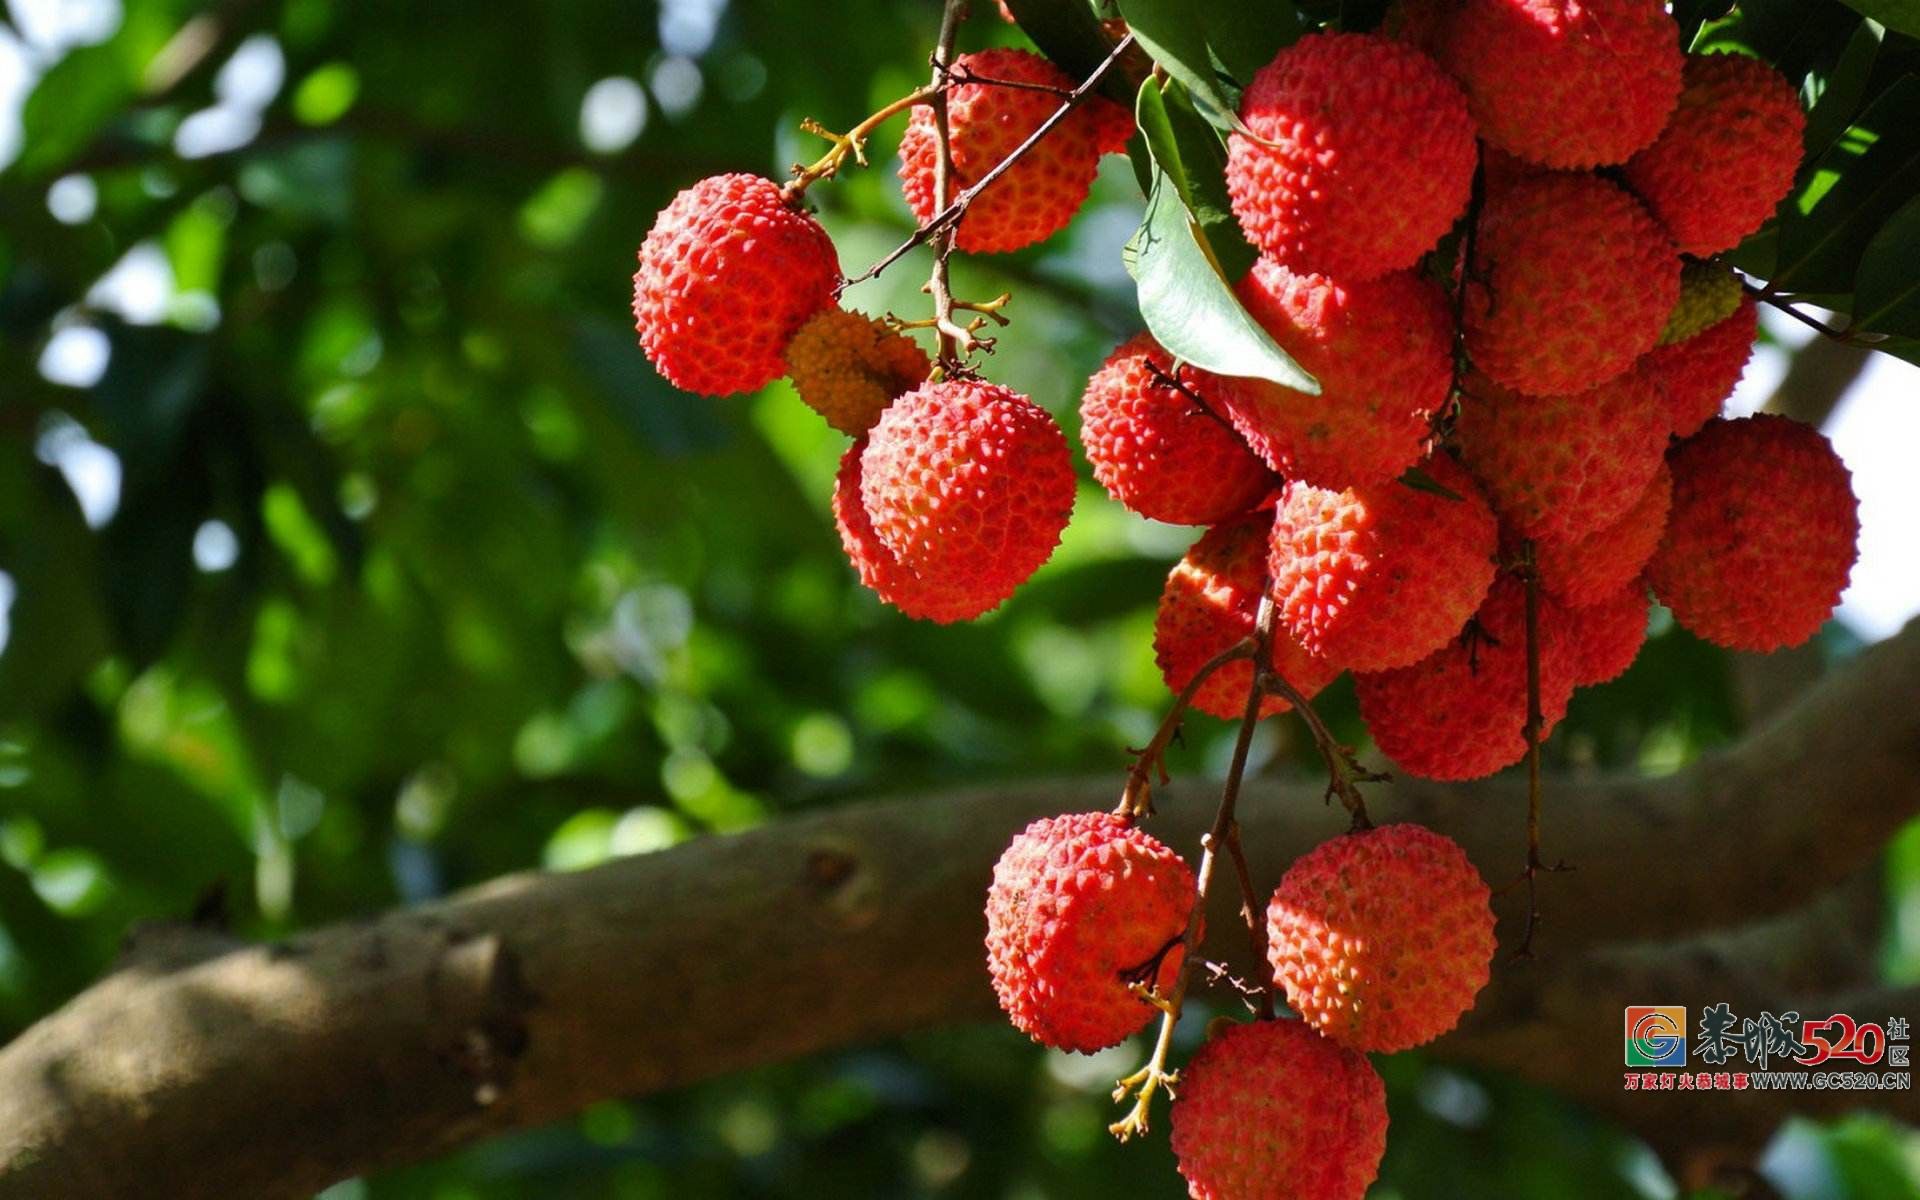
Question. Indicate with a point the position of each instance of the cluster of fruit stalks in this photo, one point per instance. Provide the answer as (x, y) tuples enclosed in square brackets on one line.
[(1488, 232)]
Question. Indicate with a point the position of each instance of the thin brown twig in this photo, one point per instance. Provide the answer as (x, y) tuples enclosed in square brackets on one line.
[(1344, 772), (953, 340), (947, 215), (1849, 337), (1136, 798), (1536, 721), (1144, 1083)]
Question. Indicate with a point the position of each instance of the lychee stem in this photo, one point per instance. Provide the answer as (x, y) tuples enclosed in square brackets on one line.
[(1136, 798), (853, 142), (1225, 833), (1536, 721)]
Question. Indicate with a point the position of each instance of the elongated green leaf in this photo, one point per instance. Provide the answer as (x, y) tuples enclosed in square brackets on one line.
[(1245, 34), (1186, 147), (1854, 188), (1188, 305), (1902, 15), (1846, 87), (1886, 296), (1171, 32)]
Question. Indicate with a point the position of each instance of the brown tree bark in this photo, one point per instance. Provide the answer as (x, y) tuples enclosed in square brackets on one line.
[(207, 1068)]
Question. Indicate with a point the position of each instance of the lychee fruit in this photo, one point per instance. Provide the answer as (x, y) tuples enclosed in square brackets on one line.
[(1708, 295), (1461, 713), (1571, 281), (986, 121), (1382, 352), (728, 273), (1589, 569), (847, 366), (1695, 376), (1607, 635), (1381, 938), (1381, 576), (1081, 906), (1211, 601), (1727, 156), (1160, 446), (967, 486), (876, 565), (1273, 1111), (1361, 155), (1762, 535), (1565, 83), (1562, 467)]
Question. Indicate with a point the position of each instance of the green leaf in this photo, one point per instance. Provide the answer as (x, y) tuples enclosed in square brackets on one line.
[(1887, 293), (1246, 34), (1853, 189), (1069, 33), (1418, 479), (1185, 146), (1901, 15), (1188, 305), (1170, 32), (1845, 88)]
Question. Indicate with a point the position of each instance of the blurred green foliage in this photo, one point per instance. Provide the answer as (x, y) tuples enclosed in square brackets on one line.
[(351, 553)]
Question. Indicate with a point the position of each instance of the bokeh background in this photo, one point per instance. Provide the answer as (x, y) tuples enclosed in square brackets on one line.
[(350, 553)]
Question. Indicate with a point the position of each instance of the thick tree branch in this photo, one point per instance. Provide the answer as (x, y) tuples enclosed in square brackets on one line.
[(211, 1070)]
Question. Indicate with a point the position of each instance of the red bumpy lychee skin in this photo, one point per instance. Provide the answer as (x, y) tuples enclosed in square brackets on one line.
[(1694, 377), (1562, 467), (1080, 905), (1762, 535), (1273, 1111), (1381, 576), (1727, 156), (1607, 635), (1571, 282), (727, 274), (1462, 712), (966, 487), (1590, 569), (1381, 938), (1565, 83), (1037, 195), (1365, 156), (1382, 352), (876, 566), (1159, 445), (1211, 601)]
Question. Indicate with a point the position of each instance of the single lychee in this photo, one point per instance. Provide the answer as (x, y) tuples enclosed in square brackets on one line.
[(1727, 156), (1695, 376), (1571, 280), (1381, 938), (876, 565), (1081, 906), (1562, 467), (728, 273), (1273, 1111), (1160, 446), (986, 121), (1211, 601), (1762, 535), (1587, 570), (1358, 155), (1461, 712), (1565, 83), (847, 366), (967, 486), (1381, 576), (1708, 295), (1607, 635), (1382, 352)]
